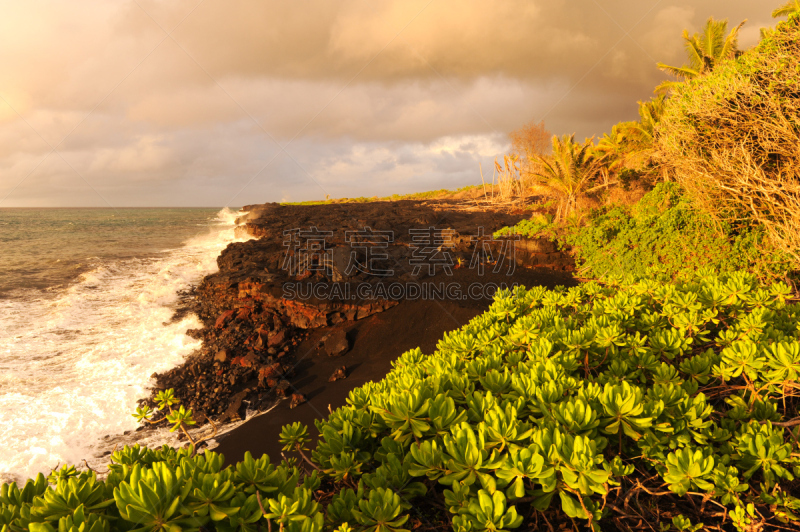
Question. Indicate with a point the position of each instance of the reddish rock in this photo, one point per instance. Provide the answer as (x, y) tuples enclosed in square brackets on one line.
[(297, 399), (250, 360), (224, 318), (339, 374), (267, 373), (276, 339)]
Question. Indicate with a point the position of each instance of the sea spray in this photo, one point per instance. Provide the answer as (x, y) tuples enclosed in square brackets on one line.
[(73, 364)]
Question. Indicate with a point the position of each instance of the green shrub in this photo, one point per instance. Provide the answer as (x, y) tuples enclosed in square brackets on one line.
[(665, 231), (580, 404), (538, 225), (578, 392), (163, 489)]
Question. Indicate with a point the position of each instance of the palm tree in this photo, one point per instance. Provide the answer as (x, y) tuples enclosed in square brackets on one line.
[(569, 170), (641, 135), (630, 144), (613, 150), (705, 51), (789, 8)]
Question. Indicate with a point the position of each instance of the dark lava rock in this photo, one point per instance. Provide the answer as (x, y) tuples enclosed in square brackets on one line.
[(232, 413), (252, 330), (336, 343)]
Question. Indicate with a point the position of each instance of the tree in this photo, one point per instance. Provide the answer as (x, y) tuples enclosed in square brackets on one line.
[(527, 143), (705, 50), (569, 170), (530, 140), (731, 140), (789, 8), (612, 151)]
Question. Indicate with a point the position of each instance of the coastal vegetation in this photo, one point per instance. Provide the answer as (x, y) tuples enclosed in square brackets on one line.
[(660, 394), (707, 177), (603, 404)]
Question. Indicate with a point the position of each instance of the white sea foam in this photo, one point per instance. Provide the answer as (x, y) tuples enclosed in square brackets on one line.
[(73, 364)]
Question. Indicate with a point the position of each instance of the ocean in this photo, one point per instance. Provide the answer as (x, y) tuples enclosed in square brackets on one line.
[(87, 298)]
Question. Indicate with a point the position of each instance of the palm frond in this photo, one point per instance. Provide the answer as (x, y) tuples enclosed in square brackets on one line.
[(712, 38), (694, 50), (664, 88), (684, 72), (789, 8), (731, 45)]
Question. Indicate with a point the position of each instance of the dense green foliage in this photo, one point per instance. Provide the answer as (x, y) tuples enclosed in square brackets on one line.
[(163, 489), (559, 402), (552, 398), (666, 231), (537, 226)]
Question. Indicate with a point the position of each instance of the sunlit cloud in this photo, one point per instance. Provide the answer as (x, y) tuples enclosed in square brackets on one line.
[(269, 100)]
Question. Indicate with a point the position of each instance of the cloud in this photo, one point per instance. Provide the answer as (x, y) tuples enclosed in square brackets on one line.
[(415, 92)]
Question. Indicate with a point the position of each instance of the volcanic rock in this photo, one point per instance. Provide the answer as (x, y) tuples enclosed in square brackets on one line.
[(232, 412), (250, 321), (276, 339), (336, 343), (224, 318), (297, 399), (339, 374)]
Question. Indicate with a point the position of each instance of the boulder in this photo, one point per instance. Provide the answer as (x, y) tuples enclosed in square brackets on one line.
[(232, 412), (336, 343)]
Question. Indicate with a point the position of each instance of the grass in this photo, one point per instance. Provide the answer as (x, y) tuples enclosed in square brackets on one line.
[(394, 197)]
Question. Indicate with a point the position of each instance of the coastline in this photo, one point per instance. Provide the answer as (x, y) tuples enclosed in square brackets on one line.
[(79, 345), (264, 349)]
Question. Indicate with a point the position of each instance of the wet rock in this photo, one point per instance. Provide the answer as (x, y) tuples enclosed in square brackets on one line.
[(232, 412), (336, 343), (339, 374)]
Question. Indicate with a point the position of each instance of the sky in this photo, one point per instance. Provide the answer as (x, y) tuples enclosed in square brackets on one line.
[(233, 102)]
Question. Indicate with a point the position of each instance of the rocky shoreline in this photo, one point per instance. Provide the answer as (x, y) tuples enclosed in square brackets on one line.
[(289, 303)]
